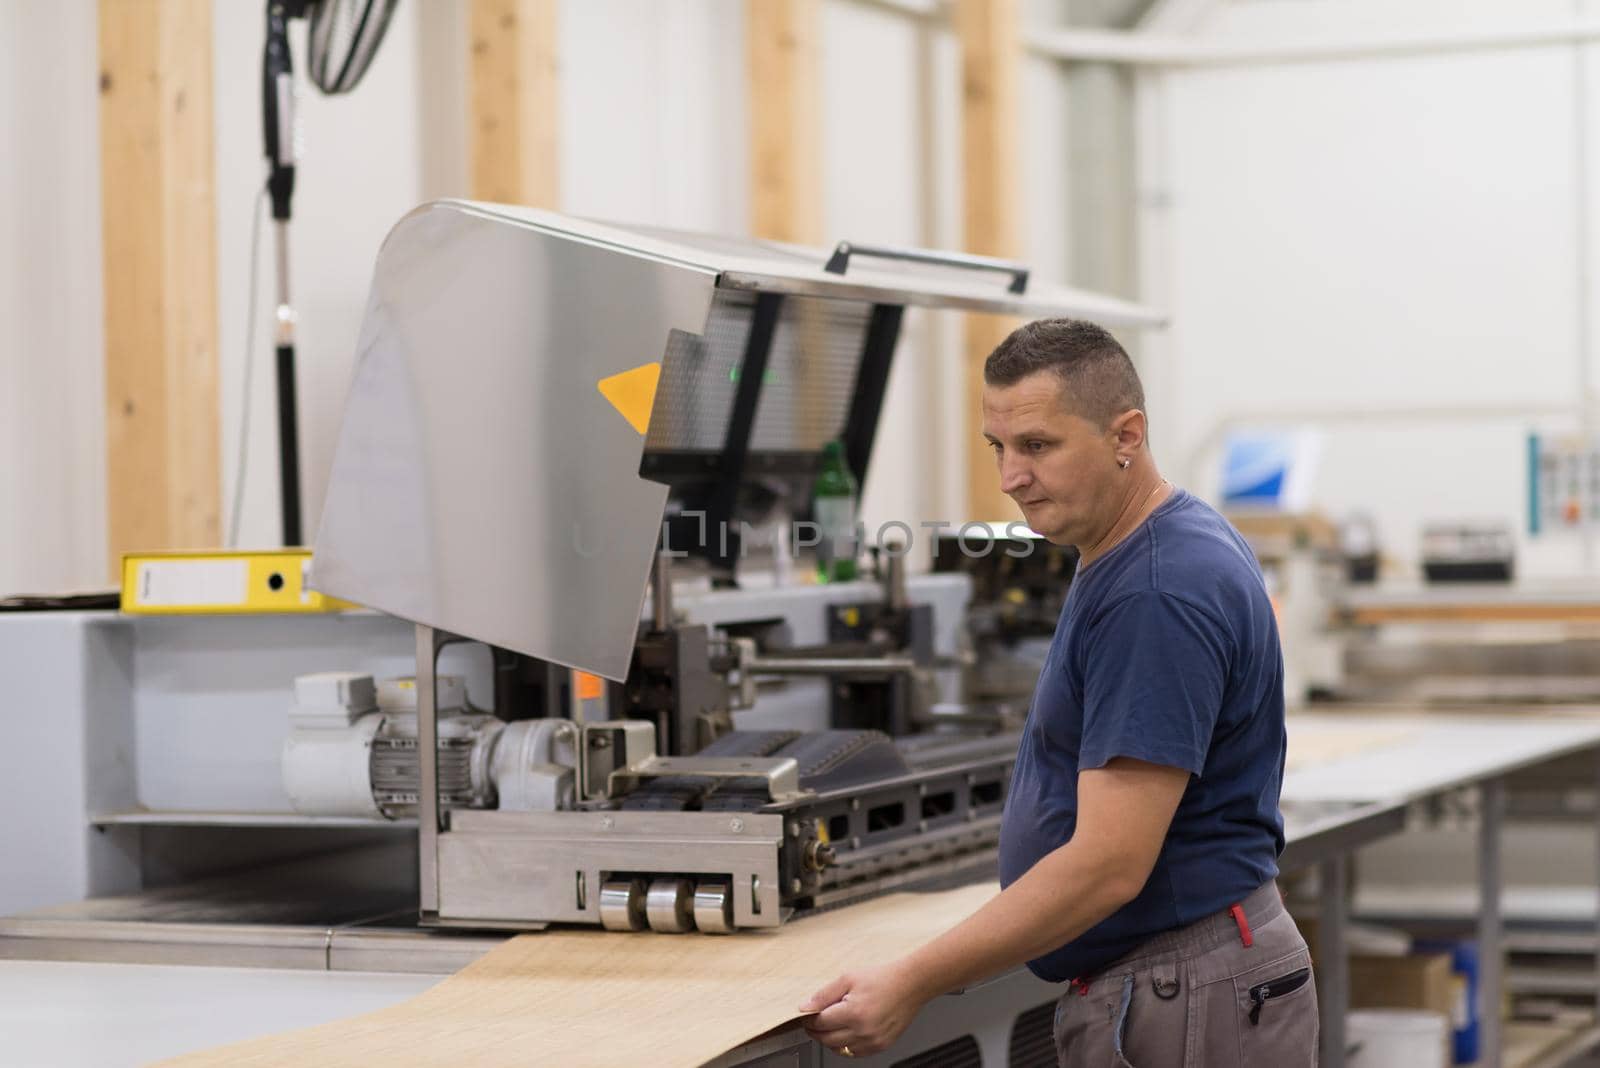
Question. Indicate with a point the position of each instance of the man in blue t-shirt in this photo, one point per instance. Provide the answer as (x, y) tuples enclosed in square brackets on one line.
[(1141, 834)]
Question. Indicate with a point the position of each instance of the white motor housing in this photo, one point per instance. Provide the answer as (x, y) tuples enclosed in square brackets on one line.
[(343, 758), (533, 764), (327, 771)]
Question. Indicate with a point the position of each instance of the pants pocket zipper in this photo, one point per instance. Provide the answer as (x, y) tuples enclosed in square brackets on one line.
[(1275, 988)]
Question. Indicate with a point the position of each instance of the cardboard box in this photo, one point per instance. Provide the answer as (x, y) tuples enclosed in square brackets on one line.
[(1384, 981), (1424, 981), (1419, 981)]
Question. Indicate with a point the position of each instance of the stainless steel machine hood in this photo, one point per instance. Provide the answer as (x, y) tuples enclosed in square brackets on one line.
[(530, 388)]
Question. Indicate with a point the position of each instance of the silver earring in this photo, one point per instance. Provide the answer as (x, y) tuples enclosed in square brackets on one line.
[(1125, 462)]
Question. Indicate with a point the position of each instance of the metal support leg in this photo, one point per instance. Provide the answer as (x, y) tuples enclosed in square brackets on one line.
[(1333, 966), (1596, 819), (1492, 804), (429, 642)]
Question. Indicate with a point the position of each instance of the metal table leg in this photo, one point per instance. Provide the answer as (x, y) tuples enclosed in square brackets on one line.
[(1492, 803), (1333, 966)]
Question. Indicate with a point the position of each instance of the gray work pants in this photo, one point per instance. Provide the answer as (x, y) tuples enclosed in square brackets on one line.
[(1200, 998)]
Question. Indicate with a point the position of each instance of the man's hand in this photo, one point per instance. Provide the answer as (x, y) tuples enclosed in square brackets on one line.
[(1124, 810), (866, 1010)]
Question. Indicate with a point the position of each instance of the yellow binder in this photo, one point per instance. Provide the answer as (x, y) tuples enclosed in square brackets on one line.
[(199, 583)]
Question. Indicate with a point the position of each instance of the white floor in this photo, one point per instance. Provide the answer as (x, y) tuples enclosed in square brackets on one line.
[(60, 1015)]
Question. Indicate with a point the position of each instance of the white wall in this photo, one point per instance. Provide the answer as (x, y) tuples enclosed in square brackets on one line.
[(364, 167), (52, 466), (653, 112), (873, 156), (892, 113), (1339, 238), (653, 121), (361, 168), (1394, 235)]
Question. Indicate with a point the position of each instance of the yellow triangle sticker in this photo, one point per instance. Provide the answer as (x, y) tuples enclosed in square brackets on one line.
[(633, 393)]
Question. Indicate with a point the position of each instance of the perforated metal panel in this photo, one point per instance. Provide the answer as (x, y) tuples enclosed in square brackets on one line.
[(697, 383), (805, 394), (811, 374), (962, 1052), (1033, 1039)]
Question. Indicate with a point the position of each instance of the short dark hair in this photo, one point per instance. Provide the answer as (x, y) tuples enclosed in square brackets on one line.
[(1098, 375)]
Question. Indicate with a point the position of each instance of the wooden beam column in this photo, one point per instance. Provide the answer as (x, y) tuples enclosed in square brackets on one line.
[(989, 35), (785, 76), (158, 224), (783, 50), (515, 127)]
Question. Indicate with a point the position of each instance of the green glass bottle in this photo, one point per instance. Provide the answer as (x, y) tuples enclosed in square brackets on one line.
[(833, 501)]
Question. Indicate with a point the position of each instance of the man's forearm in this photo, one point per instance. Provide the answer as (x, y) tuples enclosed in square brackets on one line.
[(1061, 897)]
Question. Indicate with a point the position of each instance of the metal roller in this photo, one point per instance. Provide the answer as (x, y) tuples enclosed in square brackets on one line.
[(622, 905), (670, 905), (713, 908)]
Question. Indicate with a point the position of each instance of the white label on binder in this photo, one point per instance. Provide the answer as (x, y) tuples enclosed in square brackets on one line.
[(193, 583)]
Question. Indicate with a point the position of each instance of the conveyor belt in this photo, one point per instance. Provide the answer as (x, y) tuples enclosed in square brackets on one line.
[(828, 760), (678, 793)]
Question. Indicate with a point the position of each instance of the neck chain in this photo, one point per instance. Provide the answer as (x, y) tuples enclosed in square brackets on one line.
[(1152, 493), (1135, 526)]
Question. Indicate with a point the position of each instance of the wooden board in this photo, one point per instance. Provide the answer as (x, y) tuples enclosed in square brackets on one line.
[(1321, 743), (784, 74), (985, 502), (785, 80), (1468, 612), (583, 999), (515, 120), (1528, 1043), (989, 34), (158, 225)]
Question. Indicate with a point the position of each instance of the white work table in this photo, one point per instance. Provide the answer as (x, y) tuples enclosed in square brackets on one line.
[(61, 1014), (1376, 760), (1419, 755)]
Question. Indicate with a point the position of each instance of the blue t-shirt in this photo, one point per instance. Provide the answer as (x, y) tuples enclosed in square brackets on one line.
[(1166, 651)]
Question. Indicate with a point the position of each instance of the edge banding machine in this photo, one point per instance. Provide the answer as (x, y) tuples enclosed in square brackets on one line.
[(546, 409)]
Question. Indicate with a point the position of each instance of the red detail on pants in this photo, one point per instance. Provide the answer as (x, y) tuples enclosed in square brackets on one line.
[(1244, 926)]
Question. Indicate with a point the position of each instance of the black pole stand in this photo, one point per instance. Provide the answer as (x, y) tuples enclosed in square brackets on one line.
[(277, 97)]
